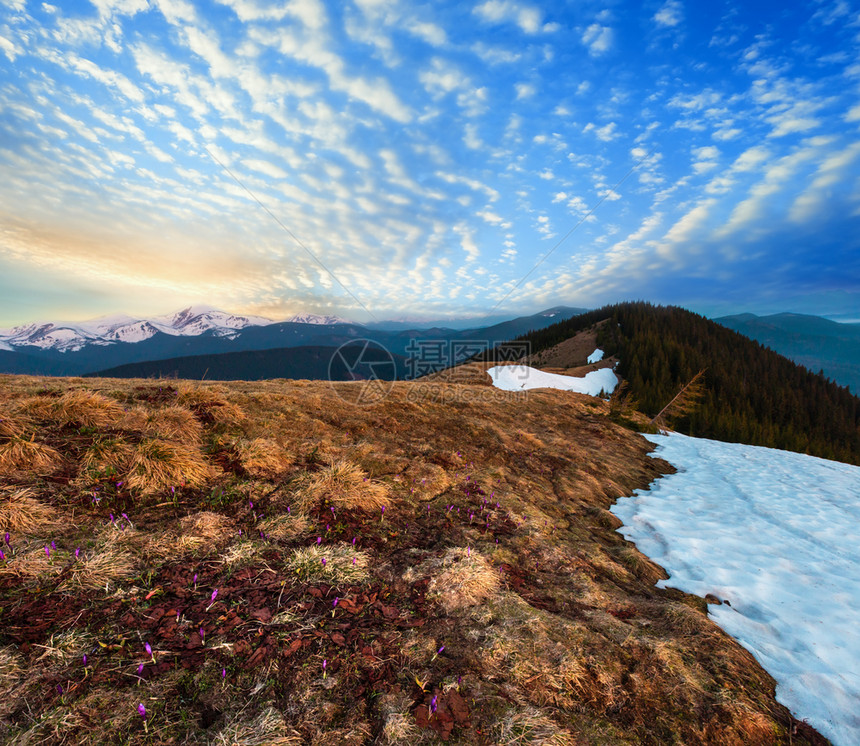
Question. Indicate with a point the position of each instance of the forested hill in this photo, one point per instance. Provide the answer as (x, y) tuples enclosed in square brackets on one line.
[(752, 394)]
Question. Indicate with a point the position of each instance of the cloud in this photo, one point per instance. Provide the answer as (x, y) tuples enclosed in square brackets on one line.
[(442, 77), (528, 17), (598, 39), (524, 90), (429, 32), (670, 15), (606, 133)]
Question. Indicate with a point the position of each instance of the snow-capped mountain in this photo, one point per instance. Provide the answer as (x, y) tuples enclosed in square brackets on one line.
[(107, 330), (310, 318)]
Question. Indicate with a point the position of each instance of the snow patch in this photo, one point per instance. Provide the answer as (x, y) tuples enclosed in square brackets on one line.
[(523, 378), (595, 357), (774, 533)]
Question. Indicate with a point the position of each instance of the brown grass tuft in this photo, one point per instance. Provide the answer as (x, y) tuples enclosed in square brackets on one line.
[(167, 423), (101, 569), (32, 563), (20, 512), (86, 409), (107, 453), (346, 485), (462, 578), (267, 729), (530, 727), (210, 404), (12, 426), (157, 465), (285, 527), (343, 564), (212, 528), (21, 454), (263, 458)]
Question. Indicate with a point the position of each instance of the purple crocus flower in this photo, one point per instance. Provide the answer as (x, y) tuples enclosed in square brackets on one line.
[(214, 595), (2, 556), (323, 561), (140, 670), (223, 673), (334, 604), (47, 550), (433, 704), (84, 659), (148, 648), (202, 635), (8, 539), (141, 710), (59, 689), (319, 539), (77, 552)]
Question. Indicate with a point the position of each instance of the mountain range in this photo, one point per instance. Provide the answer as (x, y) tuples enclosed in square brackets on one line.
[(816, 343), (53, 348)]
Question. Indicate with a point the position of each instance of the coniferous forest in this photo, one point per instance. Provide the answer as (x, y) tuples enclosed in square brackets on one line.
[(752, 395)]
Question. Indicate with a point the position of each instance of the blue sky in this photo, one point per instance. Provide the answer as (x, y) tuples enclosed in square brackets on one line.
[(152, 153)]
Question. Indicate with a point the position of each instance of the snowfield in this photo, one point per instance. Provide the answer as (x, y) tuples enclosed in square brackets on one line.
[(523, 378), (774, 533), (595, 357)]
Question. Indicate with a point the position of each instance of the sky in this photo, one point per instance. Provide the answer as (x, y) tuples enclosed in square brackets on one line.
[(383, 159)]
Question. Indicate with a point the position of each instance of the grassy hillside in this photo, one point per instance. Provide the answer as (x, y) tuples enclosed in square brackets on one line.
[(268, 563), (752, 394)]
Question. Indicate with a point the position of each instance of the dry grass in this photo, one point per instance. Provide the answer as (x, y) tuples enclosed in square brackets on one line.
[(22, 454), (167, 423), (206, 528), (32, 563), (158, 465), (21, 512), (263, 458), (210, 404), (530, 727), (267, 729), (337, 563), (12, 426), (101, 569), (13, 668), (86, 409), (243, 553), (346, 485), (461, 578), (285, 527), (541, 654), (545, 657), (107, 453), (65, 647)]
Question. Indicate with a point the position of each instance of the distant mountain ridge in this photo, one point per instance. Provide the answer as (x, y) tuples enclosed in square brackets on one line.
[(196, 332), (108, 330), (814, 342)]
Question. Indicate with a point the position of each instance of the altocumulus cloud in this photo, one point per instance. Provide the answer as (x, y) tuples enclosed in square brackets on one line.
[(429, 156)]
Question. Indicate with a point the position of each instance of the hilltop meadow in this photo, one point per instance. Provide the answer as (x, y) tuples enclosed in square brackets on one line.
[(295, 562)]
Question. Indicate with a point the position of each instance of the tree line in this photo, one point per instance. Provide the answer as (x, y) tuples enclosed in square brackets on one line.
[(751, 394)]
